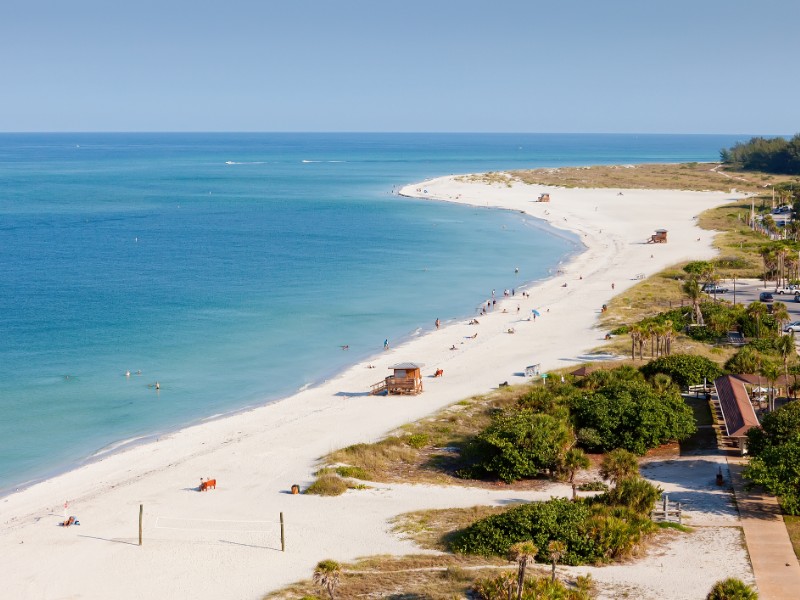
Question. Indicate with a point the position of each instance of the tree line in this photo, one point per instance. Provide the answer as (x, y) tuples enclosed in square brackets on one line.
[(774, 155)]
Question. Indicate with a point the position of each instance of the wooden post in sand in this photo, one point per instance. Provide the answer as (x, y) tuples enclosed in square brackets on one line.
[(141, 510), (283, 539)]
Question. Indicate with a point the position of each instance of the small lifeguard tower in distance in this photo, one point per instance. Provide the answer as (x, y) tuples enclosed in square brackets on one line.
[(543, 198), (406, 379), (659, 237)]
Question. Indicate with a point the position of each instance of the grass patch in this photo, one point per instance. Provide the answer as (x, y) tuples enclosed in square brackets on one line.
[(353, 472), (432, 529), (329, 481), (327, 484), (793, 527), (427, 451), (686, 176), (406, 577)]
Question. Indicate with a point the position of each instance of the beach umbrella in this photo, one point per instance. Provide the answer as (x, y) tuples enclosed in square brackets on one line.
[(536, 313)]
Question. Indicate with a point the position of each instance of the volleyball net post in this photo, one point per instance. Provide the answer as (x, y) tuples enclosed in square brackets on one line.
[(198, 529)]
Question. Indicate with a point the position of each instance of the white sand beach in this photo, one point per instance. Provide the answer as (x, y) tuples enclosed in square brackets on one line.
[(194, 543)]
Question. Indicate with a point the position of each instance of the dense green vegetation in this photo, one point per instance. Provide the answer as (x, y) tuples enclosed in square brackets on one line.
[(633, 415), (523, 443), (616, 408), (684, 369), (774, 155), (775, 456), (593, 530)]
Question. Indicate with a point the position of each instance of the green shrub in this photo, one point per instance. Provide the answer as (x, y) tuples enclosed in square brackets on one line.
[(418, 440), (685, 369), (702, 334), (631, 415), (775, 456), (538, 522), (731, 589), (634, 493), (622, 330), (592, 533), (765, 345), (519, 443)]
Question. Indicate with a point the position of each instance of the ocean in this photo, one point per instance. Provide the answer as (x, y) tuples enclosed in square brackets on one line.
[(232, 268)]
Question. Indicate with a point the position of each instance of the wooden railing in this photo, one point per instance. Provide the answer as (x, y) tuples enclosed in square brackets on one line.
[(396, 385)]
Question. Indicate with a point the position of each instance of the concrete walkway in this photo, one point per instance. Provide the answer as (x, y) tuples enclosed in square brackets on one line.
[(775, 565)]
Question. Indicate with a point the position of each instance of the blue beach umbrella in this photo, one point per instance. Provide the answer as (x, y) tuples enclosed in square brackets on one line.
[(536, 313)]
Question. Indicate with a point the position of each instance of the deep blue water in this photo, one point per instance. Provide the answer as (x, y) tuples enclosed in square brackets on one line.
[(231, 267)]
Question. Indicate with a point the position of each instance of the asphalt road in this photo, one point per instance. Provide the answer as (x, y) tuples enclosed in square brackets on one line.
[(747, 291)]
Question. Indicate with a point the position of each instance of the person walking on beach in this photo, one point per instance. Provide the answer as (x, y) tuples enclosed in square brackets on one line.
[(386, 344), (438, 323)]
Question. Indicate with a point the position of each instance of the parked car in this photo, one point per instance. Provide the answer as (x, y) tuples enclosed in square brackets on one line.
[(793, 326), (789, 289), (765, 297), (715, 289)]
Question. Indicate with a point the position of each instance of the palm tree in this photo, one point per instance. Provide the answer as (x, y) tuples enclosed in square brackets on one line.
[(781, 315), (636, 334), (786, 347), (523, 553), (692, 289), (668, 332), (619, 464), (555, 550), (326, 574), (573, 461), (771, 371), (756, 311), (654, 335), (731, 589), (795, 371), (770, 262)]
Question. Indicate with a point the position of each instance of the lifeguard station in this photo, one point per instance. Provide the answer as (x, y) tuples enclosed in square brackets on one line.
[(659, 237), (406, 379)]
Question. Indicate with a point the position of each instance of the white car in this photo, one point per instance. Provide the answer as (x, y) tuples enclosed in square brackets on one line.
[(793, 326), (791, 289)]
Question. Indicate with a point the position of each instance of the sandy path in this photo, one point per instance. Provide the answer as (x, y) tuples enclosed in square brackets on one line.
[(256, 456)]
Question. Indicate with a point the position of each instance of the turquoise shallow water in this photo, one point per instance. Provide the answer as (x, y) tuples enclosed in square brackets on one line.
[(231, 267)]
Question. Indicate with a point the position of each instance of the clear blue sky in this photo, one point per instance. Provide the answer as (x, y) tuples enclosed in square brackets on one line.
[(672, 66)]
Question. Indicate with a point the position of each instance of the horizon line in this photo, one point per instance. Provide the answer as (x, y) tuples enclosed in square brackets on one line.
[(376, 132)]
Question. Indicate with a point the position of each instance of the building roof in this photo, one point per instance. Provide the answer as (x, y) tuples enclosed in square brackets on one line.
[(584, 370), (737, 410), (753, 379), (408, 366)]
